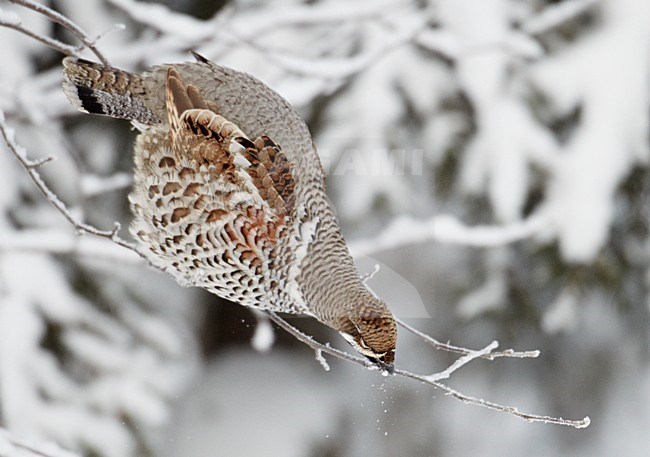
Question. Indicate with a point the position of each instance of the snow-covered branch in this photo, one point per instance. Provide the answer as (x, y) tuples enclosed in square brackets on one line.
[(65, 242), (406, 230), (161, 18), (13, 446)]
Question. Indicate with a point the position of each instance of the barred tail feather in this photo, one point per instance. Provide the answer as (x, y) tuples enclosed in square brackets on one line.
[(99, 89)]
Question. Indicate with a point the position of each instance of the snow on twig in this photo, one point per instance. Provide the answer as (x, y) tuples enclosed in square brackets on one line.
[(581, 423), (322, 14), (252, 30)]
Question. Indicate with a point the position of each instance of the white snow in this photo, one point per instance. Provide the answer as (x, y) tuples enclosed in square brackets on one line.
[(613, 134), (9, 17), (264, 336), (562, 314), (12, 445)]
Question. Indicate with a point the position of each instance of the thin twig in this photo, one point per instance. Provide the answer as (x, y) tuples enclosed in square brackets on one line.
[(462, 361), (582, 423), (66, 23), (321, 359), (31, 167), (459, 350), (368, 276), (316, 346), (319, 347), (47, 41), (80, 227)]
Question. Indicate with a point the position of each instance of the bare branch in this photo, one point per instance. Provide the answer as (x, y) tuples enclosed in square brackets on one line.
[(47, 41), (582, 423), (430, 379), (315, 345), (404, 32), (321, 359), (368, 276), (80, 227), (462, 361), (319, 348), (67, 24), (459, 350)]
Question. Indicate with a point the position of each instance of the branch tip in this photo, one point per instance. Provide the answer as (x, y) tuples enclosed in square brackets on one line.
[(116, 228), (321, 359), (32, 164)]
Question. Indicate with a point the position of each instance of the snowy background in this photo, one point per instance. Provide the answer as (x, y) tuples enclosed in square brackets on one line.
[(490, 155)]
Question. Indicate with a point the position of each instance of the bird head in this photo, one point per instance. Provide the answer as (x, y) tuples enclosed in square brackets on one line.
[(372, 331)]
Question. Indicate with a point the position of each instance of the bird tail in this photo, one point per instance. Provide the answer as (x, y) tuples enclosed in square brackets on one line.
[(100, 89)]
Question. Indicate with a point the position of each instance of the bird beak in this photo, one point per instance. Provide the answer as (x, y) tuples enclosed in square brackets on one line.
[(387, 367)]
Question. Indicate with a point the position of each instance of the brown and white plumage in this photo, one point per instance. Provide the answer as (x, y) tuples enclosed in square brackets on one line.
[(230, 192)]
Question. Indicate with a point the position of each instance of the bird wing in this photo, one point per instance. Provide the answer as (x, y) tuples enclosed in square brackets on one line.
[(198, 132), (249, 104), (209, 199)]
